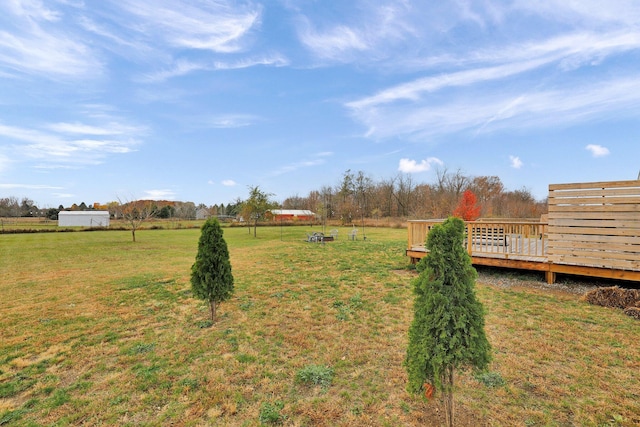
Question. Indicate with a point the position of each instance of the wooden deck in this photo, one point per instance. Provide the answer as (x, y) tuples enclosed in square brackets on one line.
[(592, 229)]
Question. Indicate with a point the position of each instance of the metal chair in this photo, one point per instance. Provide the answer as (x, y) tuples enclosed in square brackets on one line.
[(353, 234)]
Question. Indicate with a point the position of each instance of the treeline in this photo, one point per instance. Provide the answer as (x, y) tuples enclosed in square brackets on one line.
[(358, 196), (13, 207), (25, 207), (164, 209)]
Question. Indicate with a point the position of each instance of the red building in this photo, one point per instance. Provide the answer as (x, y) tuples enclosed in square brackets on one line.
[(292, 215)]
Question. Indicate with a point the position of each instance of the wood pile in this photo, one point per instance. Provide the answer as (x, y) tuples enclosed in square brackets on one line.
[(616, 297), (633, 312)]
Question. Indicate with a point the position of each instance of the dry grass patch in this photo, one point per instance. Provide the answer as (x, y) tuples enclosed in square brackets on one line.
[(102, 331)]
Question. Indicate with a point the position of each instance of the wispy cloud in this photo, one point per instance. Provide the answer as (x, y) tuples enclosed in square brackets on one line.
[(525, 108), (40, 40), (597, 150), (32, 10), (318, 159), (371, 35), (47, 54), (333, 43), (69, 144), (229, 183), (227, 121), (180, 68), (221, 121), (413, 166), (534, 79), (617, 12), (112, 36), (59, 166), (515, 162), (413, 90), (185, 67), (395, 34), (219, 26), (159, 194), (55, 42), (29, 187), (111, 128), (274, 59), (567, 50)]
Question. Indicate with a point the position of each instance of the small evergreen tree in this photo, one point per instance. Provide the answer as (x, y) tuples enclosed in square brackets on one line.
[(447, 332), (211, 278)]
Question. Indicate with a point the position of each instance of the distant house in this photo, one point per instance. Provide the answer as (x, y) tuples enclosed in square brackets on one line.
[(203, 213), (83, 219), (293, 215)]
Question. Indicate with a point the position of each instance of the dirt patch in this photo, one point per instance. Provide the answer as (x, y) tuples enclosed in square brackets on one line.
[(434, 416), (507, 278)]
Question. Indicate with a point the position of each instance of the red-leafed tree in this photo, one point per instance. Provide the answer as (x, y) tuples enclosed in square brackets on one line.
[(468, 208)]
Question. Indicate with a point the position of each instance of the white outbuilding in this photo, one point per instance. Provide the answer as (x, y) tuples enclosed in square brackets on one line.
[(83, 219)]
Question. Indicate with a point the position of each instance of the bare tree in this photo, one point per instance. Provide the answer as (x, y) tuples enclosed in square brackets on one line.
[(326, 198), (185, 210), (448, 191), (488, 189), (363, 188), (404, 193), (9, 207), (346, 203), (295, 202), (384, 196), (313, 200), (134, 213), (422, 197), (521, 204)]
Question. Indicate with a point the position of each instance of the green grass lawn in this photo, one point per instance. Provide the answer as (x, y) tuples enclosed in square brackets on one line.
[(98, 330)]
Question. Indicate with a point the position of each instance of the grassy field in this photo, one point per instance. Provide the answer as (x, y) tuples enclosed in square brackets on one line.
[(11, 225), (97, 330)]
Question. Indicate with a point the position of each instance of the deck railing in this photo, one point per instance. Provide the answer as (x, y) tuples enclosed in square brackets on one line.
[(505, 238), (591, 229)]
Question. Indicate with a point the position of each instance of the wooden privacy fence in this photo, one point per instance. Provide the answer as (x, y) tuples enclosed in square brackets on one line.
[(595, 224)]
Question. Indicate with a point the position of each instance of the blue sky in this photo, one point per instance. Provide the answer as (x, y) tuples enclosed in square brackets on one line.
[(197, 100)]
